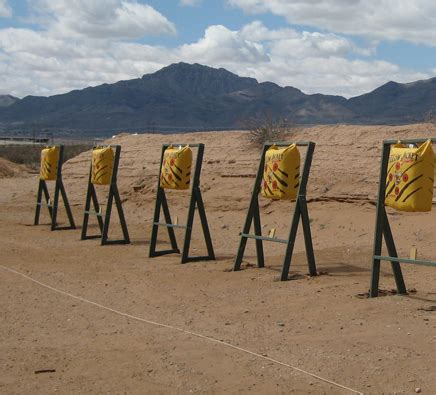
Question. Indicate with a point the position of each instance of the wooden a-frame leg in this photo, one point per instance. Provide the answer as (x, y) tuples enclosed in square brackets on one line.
[(307, 236), (114, 195), (253, 216), (243, 241), (86, 213), (258, 232), (67, 205), (291, 242), (197, 201), (188, 231), (390, 244), (168, 220), (38, 203), (47, 198), (204, 224), (378, 239), (161, 202), (154, 226), (96, 205), (104, 224), (55, 206), (42, 189), (121, 215), (107, 219), (91, 196)]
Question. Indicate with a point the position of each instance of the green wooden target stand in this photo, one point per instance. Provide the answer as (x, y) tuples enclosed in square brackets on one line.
[(91, 195), (196, 201), (54, 205), (383, 230), (300, 213)]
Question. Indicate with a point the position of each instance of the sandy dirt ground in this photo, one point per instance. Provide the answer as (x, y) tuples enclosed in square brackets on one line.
[(10, 169), (322, 324)]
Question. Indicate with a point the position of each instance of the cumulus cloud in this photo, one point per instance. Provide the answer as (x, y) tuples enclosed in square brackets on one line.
[(45, 63), (79, 43), (313, 62), (102, 19), (5, 9), (222, 44), (407, 20), (256, 43), (190, 3)]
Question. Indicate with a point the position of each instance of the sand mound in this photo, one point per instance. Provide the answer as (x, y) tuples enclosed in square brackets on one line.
[(11, 169), (345, 165)]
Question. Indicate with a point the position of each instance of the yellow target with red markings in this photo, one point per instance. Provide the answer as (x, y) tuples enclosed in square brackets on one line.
[(49, 163), (281, 175), (102, 165), (410, 178), (176, 168)]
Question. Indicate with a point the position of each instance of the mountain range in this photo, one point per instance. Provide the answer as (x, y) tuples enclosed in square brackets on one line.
[(192, 96), (7, 100)]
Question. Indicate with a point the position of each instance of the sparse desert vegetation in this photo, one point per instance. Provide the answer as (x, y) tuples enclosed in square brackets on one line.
[(266, 128)]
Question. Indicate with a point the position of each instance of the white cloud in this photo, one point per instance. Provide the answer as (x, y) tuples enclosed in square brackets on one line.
[(313, 44), (5, 9), (42, 63), (190, 3), (312, 62), (333, 75), (33, 42), (45, 63), (407, 20), (102, 19), (220, 44)]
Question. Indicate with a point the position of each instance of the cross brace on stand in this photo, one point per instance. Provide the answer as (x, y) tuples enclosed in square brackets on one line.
[(383, 230), (91, 195), (54, 205), (196, 201), (300, 213)]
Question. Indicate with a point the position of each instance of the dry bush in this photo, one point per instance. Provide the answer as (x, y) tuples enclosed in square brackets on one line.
[(30, 155), (267, 128)]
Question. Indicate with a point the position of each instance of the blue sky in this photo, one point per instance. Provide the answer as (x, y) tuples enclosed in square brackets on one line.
[(345, 47)]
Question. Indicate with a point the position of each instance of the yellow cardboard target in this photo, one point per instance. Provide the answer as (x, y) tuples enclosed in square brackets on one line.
[(410, 178), (281, 175), (176, 168), (102, 165), (49, 163)]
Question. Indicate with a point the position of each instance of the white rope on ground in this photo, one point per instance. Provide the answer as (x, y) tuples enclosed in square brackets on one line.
[(182, 330)]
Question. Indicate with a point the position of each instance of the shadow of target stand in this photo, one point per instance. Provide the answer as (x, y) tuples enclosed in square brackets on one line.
[(91, 196), (300, 213), (59, 190), (383, 230), (196, 201)]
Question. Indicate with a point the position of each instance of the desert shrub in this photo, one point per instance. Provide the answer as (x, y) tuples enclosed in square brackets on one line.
[(30, 155), (267, 128)]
